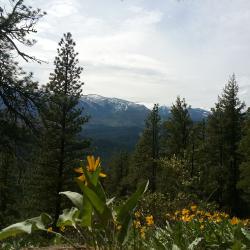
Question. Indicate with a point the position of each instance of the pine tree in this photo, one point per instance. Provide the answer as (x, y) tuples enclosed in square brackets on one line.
[(177, 128), (145, 159), (63, 121), (118, 169), (16, 22), (19, 96), (244, 148), (223, 137)]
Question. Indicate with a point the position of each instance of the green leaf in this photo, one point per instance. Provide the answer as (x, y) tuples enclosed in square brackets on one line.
[(124, 214), (131, 203), (175, 247), (246, 233), (237, 245), (69, 217), (76, 198), (86, 213), (28, 226), (158, 244), (194, 243), (98, 204)]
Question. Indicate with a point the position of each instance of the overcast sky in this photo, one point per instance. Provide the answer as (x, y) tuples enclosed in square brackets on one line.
[(150, 51)]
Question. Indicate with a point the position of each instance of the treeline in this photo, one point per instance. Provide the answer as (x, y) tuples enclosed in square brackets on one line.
[(206, 161), (39, 126)]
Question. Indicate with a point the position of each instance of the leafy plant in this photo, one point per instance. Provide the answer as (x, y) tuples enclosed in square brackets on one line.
[(93, 216)]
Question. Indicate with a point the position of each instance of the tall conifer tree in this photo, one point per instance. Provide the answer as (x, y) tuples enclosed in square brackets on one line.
[(145, 159), (244, 148), (63, 121), (177, 129), (223, 137)]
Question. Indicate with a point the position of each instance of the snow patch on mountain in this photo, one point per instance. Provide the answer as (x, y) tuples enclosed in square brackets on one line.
[(117, 104)]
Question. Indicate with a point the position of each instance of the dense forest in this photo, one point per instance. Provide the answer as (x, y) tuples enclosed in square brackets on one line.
[(41, 141)]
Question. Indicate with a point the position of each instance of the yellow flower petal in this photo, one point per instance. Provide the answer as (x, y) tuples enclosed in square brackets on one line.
[(78, 170), (81, 178), (102, 175)]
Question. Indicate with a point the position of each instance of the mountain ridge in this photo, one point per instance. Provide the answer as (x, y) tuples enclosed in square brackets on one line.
[(119, 112), (116, 124)]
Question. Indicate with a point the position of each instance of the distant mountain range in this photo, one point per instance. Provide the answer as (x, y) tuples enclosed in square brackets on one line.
[(116, 124), (116, 112)]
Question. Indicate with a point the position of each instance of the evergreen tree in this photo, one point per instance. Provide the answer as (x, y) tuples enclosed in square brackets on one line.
[(19, 96), (63, 121), (16, 22), (118, 168), (223, 137), (244, 180), (145, 159), (177, 128)]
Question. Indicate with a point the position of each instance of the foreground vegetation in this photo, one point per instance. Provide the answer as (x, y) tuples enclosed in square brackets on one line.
[(95, 221)]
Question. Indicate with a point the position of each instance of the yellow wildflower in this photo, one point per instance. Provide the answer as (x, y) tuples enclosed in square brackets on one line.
[(119, 227), (185, 218), (137, 224), (49, 230), (185, 211), (201, 220), (137, 214), (193, 208), (218, 220), (150, 220), (234, 221), (208, 214), (91, 167), (142, 232)]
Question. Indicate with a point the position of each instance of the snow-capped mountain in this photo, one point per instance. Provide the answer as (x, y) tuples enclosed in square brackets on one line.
[(116, 124), (113, 111), (115, 103), (119, 113)]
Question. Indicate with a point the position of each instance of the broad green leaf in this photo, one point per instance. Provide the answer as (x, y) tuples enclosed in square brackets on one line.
[(98, 204), (76, 198), (124, 214), (194, 243), (92, 177), (28, 226), (18, 228), (41, 222), (86, 213), (175, 247), (246, 233), (237, 245), (69, 217)]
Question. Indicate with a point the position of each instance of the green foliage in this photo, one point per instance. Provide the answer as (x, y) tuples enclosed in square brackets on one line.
[(108, 226), (177, 129), (118, 170), (16, 24), (144, 161), (244, 148), (221, 167), (28, 226), (62, 121)]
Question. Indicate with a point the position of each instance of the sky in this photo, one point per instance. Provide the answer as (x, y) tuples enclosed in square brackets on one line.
[(150, 51)]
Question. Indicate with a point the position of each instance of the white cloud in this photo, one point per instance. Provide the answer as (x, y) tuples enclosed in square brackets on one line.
[(151, 51)]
